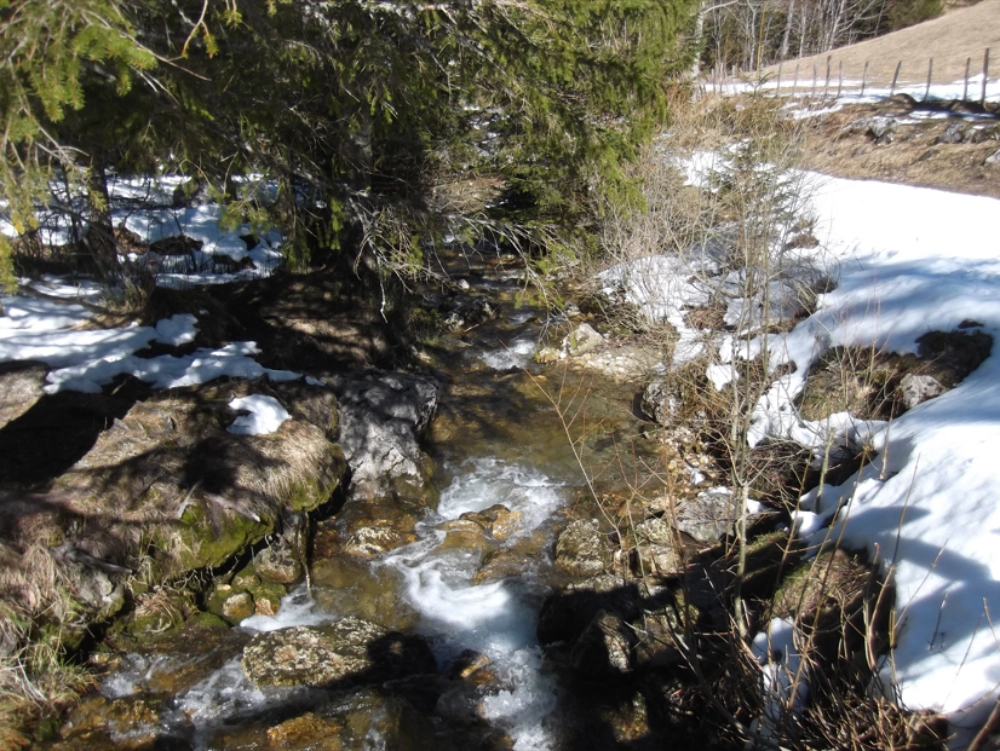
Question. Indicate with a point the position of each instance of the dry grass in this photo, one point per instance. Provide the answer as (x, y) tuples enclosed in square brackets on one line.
[(122, 504), (912, 158), (962, 33)]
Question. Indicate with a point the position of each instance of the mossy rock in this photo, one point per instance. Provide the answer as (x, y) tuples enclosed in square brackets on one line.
[(267, 597), (201, 540), (207, 621)]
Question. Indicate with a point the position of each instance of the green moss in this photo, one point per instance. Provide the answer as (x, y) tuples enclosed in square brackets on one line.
[(207, 621), (198, 544), (270, 593), (311, 493)]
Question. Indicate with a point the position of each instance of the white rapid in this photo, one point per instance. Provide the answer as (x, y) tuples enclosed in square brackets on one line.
[(496, 621), (499, 619)]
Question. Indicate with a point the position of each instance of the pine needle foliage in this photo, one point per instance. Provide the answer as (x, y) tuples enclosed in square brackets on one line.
[(49, 50), (355, 106)]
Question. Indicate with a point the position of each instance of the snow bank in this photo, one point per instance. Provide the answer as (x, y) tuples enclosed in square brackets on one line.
[(911, 260), (916, 260)]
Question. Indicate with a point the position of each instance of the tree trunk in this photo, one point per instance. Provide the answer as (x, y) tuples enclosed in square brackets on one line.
[(786, 38), (100, 237), (698, 40)]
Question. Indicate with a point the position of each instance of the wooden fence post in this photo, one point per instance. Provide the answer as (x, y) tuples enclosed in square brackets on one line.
[(777, 89), (815, 76), (892, 91), (986, 75), (930, 72), (826, 85), (864, 79), (965, 87), (840, 79)]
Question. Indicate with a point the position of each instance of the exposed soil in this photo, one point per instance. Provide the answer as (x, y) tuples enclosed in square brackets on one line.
[(917, 153)]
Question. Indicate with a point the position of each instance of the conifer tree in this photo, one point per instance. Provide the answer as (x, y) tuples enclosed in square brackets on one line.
[(49, 51), (356, 102)]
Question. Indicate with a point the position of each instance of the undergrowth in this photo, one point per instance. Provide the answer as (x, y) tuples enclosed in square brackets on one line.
[(749, 218)]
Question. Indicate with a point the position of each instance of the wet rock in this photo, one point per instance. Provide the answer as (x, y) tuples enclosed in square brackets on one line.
[(351, 586), (993, 159), (132, 722), (368, 714), (383, 415), (20, 387), (581, 340), (498, 520), (658, 403), (547, 355), (308, 731), (267, 597), (468, 312), (567, 612), (580, 549), (349, 650), (628, 723), (244, 579), (467, 663), (465, 535), (500, 564), (370, 528), (709, 516), (604, 647), (237, 606), (915, 389), (282, 561)]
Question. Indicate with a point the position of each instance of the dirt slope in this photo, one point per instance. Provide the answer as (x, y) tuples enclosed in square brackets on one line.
[(950, 40)]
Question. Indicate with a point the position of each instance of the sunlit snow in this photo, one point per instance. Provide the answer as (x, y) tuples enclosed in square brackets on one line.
[(911, 260)]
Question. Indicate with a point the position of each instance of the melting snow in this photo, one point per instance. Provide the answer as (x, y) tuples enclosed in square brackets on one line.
[(265, 415)]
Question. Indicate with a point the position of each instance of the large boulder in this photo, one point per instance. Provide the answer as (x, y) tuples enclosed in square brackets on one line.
[(165, 489), (348, 651), (383, 415)]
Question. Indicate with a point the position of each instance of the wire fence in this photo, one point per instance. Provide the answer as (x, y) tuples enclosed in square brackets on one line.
[(819, 80)]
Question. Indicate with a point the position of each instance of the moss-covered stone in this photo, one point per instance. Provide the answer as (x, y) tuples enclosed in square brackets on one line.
[(267, 597), (207, 621)]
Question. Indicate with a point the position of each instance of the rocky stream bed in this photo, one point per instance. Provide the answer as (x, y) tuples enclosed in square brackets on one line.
[(514, 543)]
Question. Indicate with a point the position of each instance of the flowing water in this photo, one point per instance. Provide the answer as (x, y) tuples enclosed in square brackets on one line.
[(498, 440)]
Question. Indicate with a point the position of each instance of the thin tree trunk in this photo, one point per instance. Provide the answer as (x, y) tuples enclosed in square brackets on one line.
[(100, 237), (788, 29)]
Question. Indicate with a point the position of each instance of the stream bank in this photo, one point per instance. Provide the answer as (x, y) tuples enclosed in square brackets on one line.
[(513, 555)]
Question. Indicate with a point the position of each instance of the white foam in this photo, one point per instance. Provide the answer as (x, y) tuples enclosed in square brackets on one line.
[(495, 619), (515, 355), (297, 609)]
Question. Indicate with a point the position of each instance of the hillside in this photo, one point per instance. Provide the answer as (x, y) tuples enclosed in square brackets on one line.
[(950, 40)]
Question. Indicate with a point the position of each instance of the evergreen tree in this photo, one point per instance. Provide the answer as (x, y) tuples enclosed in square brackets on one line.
[(356, 102), (49, 51)]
